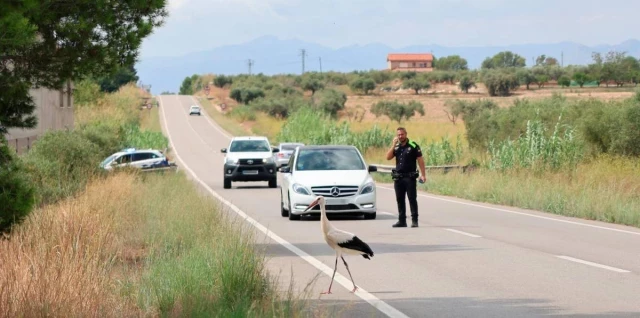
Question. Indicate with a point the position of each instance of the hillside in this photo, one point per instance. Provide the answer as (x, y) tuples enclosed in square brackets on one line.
[(275, 56)]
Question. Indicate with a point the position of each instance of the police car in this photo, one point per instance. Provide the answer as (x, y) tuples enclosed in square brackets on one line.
[(136, 158)]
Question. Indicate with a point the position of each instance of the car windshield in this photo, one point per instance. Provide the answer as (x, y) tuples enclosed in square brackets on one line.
[(249, 146), (329, 159), (289, 147), (106, 161)]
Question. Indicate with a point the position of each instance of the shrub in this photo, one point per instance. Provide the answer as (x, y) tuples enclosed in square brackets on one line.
[(60, 164), (564, 81), (500, 83), (16, 194), (416, 84), (87, 92), (106, 135), (221, 81), (279, 107), (397, 111), (246, 94), (331, 101), (136, 138), (466, 82), (363, 84)]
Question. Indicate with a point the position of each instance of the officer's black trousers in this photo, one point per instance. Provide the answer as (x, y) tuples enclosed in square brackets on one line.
[(406, 187)]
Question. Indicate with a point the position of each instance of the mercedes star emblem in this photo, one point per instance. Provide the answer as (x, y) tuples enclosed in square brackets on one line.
[(335, 191)]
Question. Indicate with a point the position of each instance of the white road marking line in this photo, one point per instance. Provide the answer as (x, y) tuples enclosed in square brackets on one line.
[(592, 264), (520, 213), (463, 233), (215, 126), (387, 213), (342, 280), (190, 126)]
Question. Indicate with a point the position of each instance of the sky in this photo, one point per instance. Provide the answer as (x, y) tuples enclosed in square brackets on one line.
[(198, 25)]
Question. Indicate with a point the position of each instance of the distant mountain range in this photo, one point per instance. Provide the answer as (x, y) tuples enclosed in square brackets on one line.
[(271, 55)]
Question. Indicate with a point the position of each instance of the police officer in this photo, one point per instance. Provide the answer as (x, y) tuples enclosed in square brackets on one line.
[(406, 152)]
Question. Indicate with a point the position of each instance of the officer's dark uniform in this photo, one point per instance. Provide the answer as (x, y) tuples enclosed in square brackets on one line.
[(405, 177)]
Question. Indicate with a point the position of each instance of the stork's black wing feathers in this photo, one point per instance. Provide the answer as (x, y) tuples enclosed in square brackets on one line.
[(357, 244)]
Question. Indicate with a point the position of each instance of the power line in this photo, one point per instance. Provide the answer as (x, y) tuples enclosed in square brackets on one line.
[(250, 63), (303, 53)]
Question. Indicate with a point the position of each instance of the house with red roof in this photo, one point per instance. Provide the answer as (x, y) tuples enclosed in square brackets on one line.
[(405, 62)]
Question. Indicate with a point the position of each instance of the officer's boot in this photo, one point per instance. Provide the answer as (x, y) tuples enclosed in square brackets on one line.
[(400, 224), (414, 222)]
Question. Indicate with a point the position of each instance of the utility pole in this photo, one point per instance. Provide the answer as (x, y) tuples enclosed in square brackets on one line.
[(303, 53), (320, 60), (561, 58), (249, 63)]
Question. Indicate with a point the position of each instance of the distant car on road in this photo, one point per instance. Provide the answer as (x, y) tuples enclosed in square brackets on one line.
[(286, 149), (194, 109), (137, 158), (339, 173), (250, 158)]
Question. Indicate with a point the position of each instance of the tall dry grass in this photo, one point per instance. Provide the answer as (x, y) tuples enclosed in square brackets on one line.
[(59, 262), (138, 244)]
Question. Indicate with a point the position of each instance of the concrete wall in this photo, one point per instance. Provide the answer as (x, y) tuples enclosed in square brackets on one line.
[(54, 110)]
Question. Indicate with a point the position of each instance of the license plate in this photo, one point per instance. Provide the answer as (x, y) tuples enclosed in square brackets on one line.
[(250, 172), (336, 201)]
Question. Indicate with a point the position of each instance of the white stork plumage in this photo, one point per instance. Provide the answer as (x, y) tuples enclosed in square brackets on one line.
[(341, 241)]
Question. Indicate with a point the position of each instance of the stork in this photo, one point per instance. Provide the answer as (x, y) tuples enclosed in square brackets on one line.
[(341, 241)]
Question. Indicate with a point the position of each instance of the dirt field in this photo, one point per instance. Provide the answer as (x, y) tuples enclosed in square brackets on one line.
[(434, 99)]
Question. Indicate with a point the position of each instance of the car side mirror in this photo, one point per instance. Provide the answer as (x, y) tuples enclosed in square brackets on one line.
[(285, 169), (276, 150), (223, 150), (373, 168)]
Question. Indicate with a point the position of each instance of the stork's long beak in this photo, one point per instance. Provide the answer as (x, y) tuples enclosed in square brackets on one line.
[(314, 203)]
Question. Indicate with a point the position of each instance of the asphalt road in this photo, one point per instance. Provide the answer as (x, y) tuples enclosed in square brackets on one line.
[(466, 259)]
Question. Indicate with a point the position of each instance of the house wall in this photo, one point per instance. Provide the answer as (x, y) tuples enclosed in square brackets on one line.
[(410, 64), (54, 110)]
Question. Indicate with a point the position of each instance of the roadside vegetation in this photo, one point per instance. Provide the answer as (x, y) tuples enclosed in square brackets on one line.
[(558, 139), (126, 243)]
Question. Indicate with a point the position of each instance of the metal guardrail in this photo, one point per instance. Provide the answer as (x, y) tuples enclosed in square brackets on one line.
[(445, 168)]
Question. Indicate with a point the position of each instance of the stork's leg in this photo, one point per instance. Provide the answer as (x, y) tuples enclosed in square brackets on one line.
[(335, 267), (347, 266)]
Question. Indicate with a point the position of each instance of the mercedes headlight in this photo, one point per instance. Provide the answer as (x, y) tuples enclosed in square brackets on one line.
[(367, 188), (298, 188)]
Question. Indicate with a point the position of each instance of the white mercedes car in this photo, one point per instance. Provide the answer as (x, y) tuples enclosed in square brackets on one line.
[(339, 173)]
